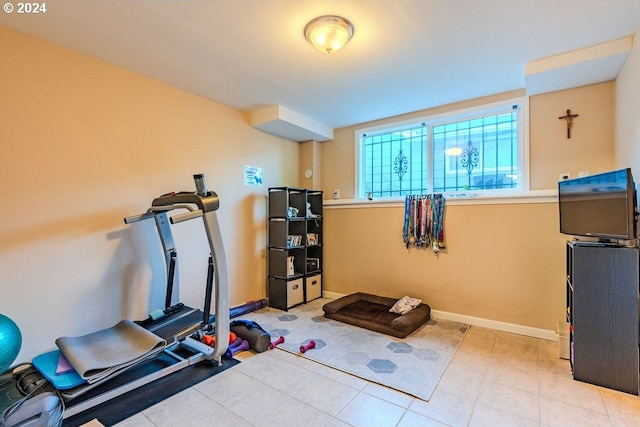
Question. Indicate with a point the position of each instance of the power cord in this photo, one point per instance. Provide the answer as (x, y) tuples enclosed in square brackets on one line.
[(39, 384)]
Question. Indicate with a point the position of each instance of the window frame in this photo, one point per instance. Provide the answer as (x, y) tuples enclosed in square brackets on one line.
[(453, 116)]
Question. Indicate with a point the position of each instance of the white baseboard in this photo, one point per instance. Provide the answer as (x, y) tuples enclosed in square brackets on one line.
[(331, 295), (495, 324), (478, 321)]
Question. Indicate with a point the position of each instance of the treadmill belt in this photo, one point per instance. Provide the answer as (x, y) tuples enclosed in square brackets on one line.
[(178, 325)]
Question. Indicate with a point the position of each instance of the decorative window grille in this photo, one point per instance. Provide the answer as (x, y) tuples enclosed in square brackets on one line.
[(394, 162), (476, 154), (477, 151)]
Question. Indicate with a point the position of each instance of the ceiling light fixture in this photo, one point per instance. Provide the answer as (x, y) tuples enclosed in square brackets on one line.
[(328, 33), (453, 151)]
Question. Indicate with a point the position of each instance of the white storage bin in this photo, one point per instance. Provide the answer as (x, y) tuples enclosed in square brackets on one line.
[(314, 287), (295, 293)]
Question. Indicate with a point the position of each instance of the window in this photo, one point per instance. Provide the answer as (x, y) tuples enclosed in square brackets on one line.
[(469, 151)]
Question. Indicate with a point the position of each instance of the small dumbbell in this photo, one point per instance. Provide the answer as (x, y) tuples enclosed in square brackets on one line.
[(276, 342), (231, 351), (304, 348)]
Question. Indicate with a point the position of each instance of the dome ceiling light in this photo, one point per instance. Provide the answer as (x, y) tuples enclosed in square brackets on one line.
[(328, 33)]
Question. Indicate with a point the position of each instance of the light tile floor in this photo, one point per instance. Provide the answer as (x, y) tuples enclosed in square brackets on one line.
[(495, 379)]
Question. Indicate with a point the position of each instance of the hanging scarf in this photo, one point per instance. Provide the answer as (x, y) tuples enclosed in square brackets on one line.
[(438, 222), (405, 229), (424, 221)]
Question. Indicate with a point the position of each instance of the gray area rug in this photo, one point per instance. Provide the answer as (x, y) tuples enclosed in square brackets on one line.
[(412, 365)]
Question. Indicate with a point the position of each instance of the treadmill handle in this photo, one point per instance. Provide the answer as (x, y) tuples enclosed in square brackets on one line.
[(185, 216)]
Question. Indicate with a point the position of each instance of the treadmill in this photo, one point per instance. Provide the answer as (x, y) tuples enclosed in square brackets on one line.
[(177, 323)]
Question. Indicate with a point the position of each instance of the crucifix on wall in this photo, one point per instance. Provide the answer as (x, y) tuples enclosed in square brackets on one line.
[(569, 118)]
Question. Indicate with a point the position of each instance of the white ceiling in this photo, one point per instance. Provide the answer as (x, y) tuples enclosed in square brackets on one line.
[(406, 55)]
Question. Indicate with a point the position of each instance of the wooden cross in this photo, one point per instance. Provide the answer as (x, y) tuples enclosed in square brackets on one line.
[(569, 118)]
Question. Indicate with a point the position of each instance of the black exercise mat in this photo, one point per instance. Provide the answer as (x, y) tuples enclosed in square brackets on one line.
[(129, 404)]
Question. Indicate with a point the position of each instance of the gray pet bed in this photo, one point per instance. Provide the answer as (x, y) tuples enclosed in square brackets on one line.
[(372, 312)]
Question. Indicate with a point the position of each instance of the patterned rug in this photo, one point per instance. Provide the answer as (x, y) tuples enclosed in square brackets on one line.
[(412, 365)]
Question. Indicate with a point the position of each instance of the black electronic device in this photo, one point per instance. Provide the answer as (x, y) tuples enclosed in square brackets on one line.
[(602, 206)]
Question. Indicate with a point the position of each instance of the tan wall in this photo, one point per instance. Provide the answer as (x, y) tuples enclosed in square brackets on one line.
[(310, 159), (85, 144), (591, 145), (627, 153), (504, 262)]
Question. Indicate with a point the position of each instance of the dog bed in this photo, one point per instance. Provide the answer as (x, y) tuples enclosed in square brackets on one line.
[(372, 312)]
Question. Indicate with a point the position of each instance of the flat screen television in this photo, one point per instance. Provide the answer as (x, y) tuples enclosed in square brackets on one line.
[(601, 206)]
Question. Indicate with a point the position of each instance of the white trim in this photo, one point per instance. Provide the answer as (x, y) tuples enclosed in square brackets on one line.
[(444, 117), (497, 325), (478, 321), (331, 295), (437, 119), (358, 165), (524, 155), (535, 196)]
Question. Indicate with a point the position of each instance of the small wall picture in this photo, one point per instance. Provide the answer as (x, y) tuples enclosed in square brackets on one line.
[(312, 239), (253, 176)]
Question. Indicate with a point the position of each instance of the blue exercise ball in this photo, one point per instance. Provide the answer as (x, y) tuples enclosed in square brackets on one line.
[(10, 342)]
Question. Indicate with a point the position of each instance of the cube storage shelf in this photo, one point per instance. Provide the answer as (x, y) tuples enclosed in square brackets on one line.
[(603, 313), (294, 245)]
